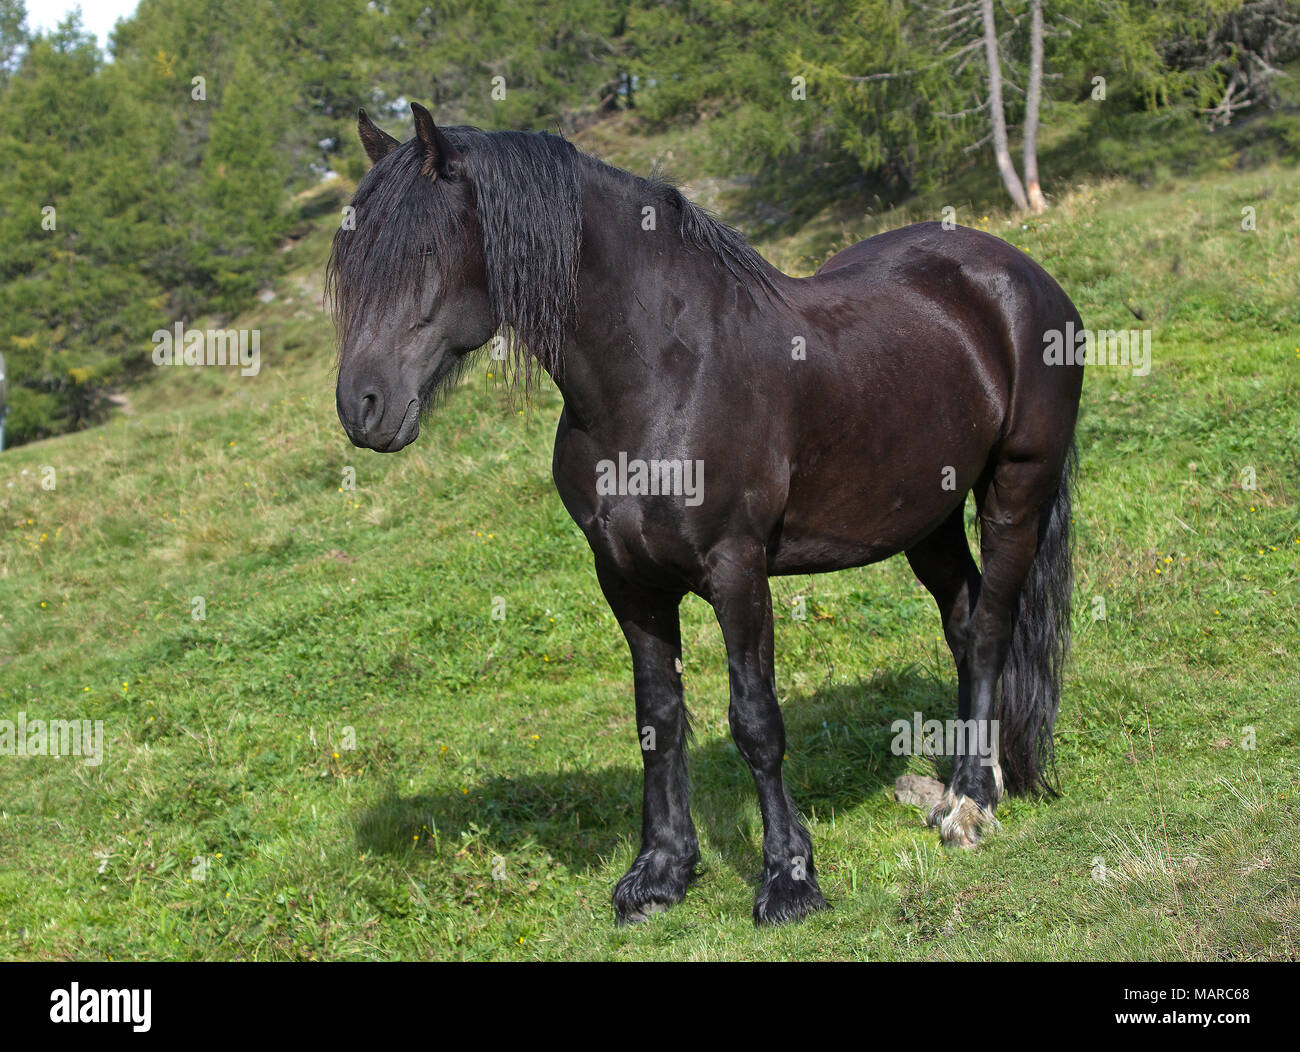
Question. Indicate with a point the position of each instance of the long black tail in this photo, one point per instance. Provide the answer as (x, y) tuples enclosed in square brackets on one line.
[(1031, 678)]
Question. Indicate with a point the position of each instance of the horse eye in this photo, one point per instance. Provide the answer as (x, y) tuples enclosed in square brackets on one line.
[(429, 297)]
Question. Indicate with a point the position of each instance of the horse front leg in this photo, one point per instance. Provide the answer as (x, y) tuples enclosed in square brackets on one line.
[(742, 602), (669, 851)]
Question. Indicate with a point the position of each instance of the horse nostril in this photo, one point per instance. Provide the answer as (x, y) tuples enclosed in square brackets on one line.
[(372, 409)]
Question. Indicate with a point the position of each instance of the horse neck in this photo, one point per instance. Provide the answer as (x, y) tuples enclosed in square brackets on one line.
[(637, 289)]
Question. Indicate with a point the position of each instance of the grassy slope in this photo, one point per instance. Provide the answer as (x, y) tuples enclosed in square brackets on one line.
[(509, 745)]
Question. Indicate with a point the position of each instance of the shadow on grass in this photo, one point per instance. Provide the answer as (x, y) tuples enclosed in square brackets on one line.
[(838, 742)]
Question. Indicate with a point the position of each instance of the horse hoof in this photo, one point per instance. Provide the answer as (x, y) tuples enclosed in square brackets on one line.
[(961, 821), (642, 913), (652, 885), (784, 899)]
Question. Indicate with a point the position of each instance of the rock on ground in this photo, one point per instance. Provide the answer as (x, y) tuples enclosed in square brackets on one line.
[(917, 790)]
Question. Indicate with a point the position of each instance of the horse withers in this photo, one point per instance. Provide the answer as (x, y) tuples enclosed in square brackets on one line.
[(723, 423)]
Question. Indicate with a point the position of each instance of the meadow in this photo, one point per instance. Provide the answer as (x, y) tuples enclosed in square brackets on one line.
[(348, 757)]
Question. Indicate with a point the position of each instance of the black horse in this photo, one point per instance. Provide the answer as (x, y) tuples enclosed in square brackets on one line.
[(723, 423)]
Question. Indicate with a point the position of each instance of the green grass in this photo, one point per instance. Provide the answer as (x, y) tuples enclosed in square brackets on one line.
[(507, 749)]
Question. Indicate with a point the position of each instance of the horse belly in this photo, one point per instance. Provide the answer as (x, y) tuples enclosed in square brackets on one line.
[(867, 485), (855, 533)]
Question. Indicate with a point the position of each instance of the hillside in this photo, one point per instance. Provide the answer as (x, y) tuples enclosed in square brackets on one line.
[(486, 808)]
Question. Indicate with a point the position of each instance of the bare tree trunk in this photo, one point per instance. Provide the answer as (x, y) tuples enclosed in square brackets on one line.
[(1000, 149), (1037, 203)]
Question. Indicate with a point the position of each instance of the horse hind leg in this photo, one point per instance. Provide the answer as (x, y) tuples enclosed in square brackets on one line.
[(943, 563), (1025, 504)]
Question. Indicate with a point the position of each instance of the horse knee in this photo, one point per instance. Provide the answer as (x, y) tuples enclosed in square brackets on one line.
[(759, 737)]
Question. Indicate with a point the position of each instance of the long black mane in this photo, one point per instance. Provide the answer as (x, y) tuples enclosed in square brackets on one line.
[(528, 195)]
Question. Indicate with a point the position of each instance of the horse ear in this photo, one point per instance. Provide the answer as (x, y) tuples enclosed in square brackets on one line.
[(438, 152), (377, 142)]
